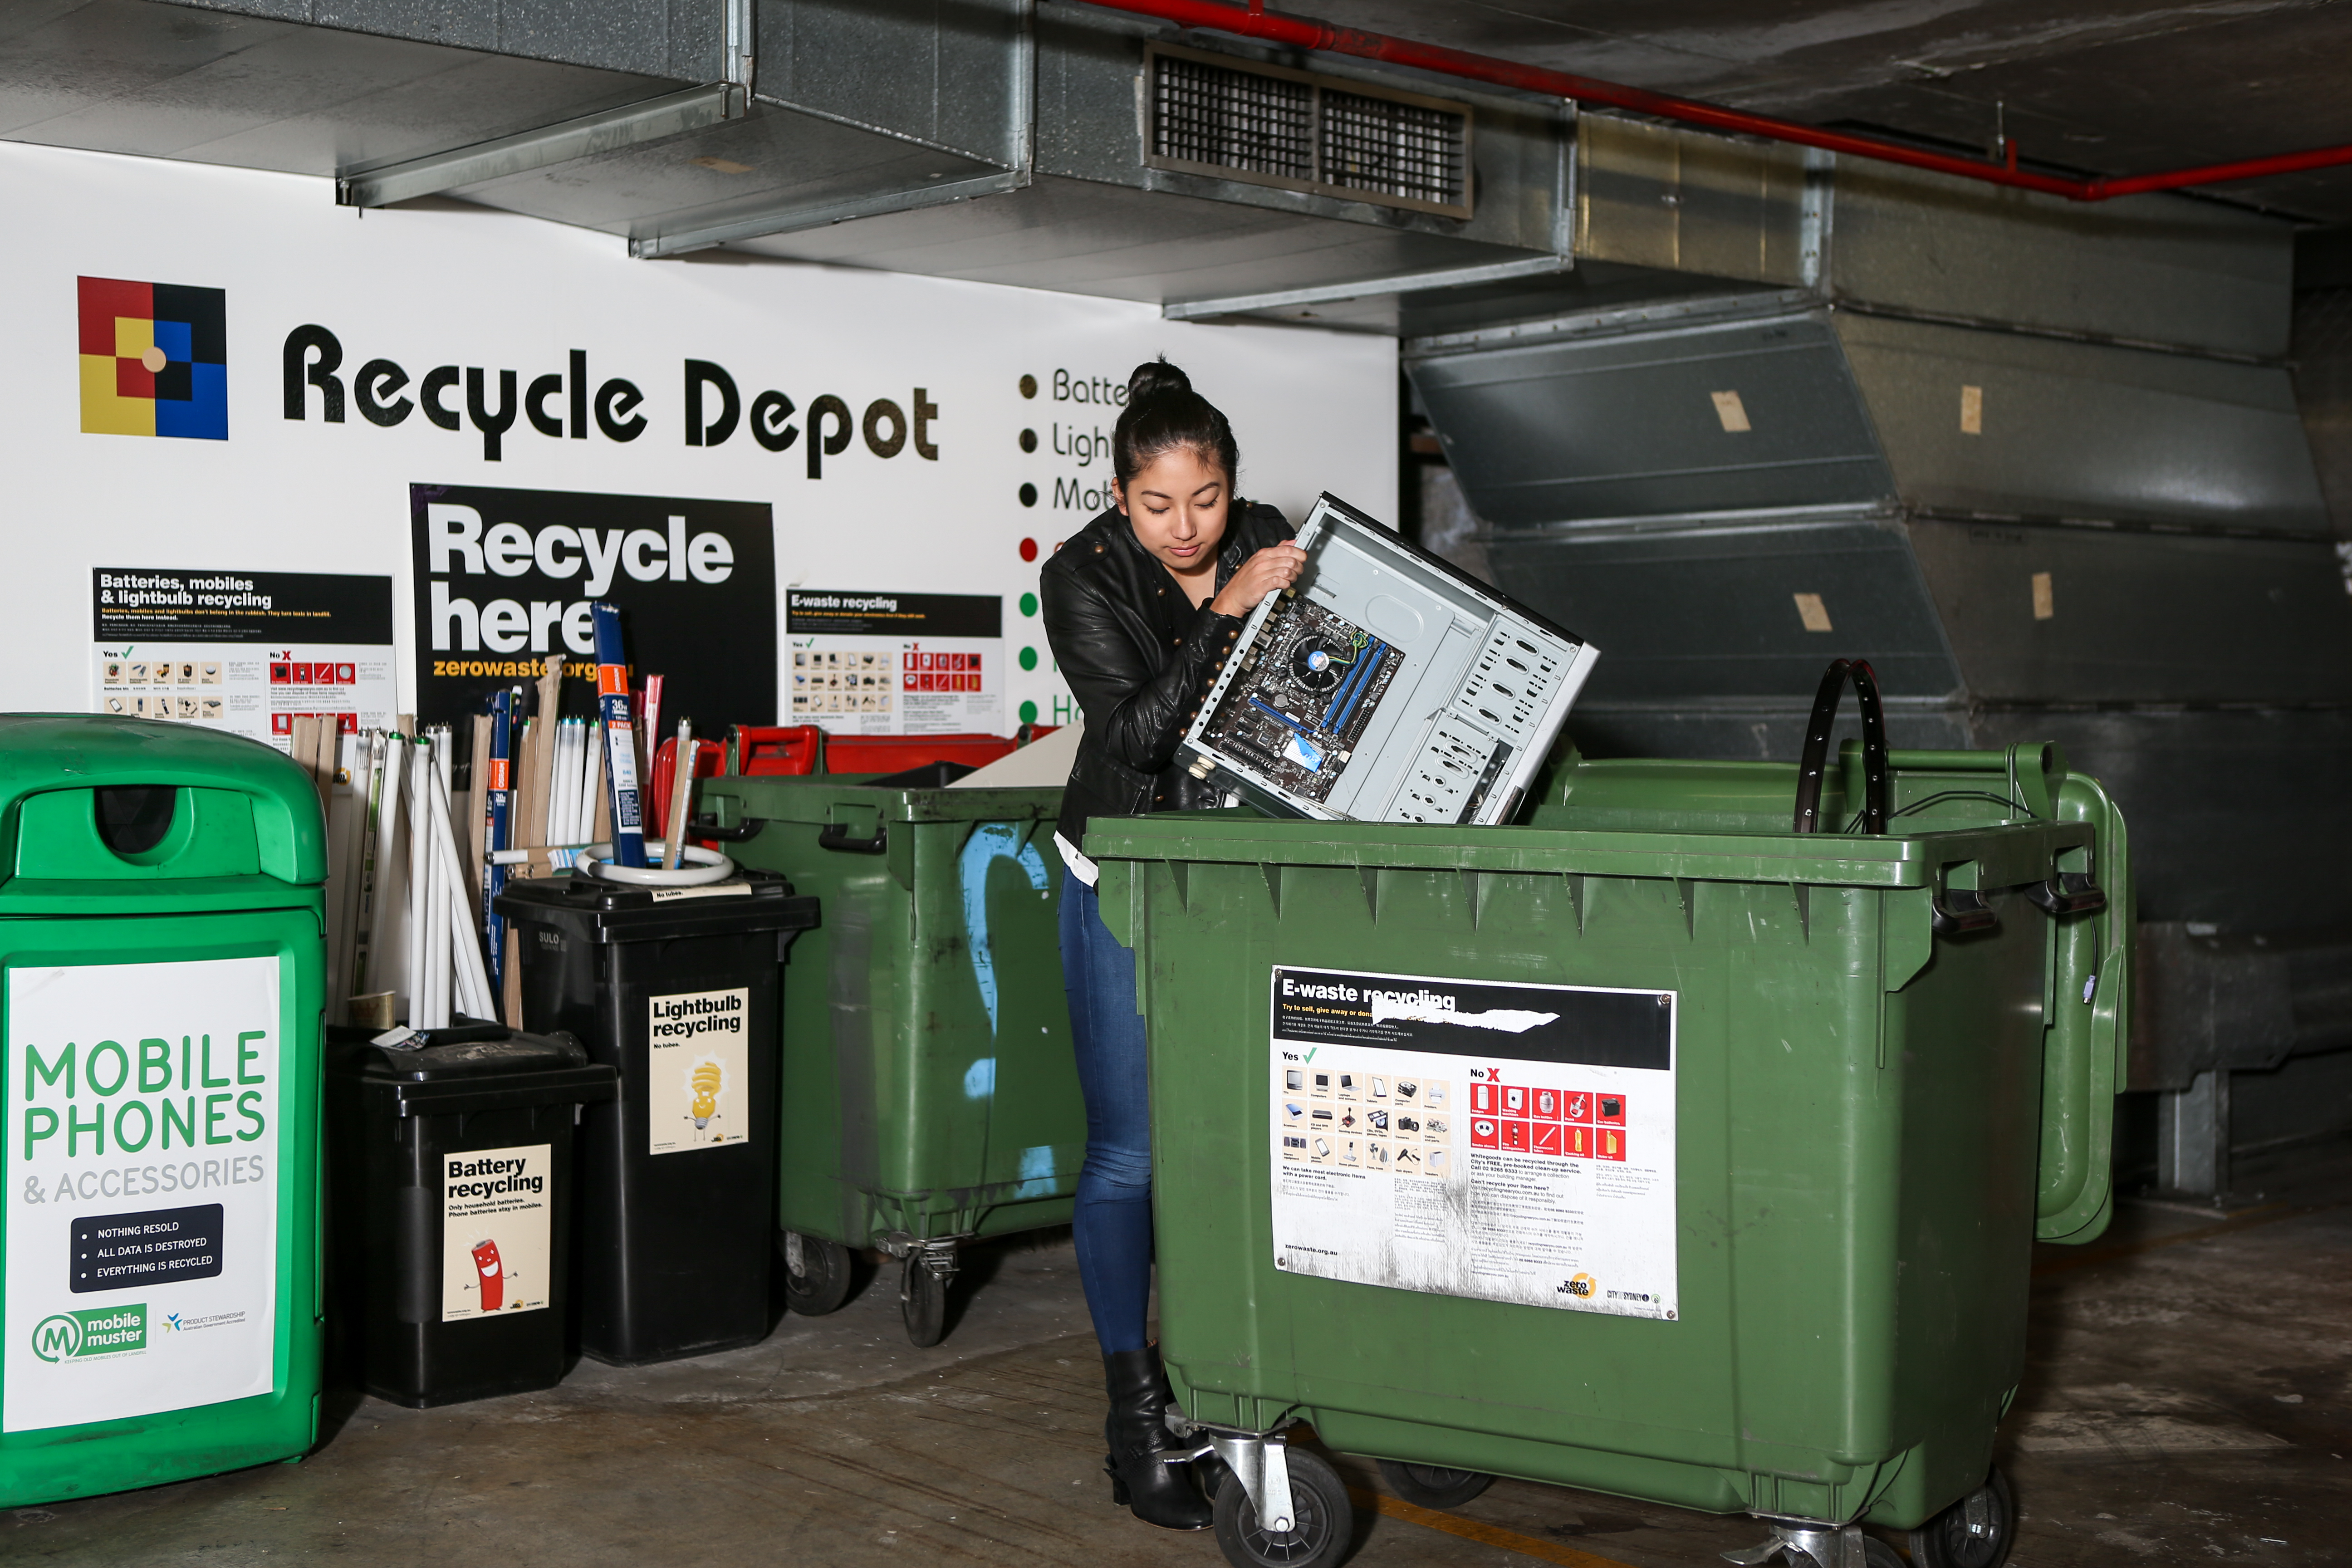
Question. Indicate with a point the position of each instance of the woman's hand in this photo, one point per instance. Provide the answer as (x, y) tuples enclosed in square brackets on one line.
[(1270, 570)]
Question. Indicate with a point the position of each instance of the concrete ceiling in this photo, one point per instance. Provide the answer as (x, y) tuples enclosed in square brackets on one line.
[(2113, 89)]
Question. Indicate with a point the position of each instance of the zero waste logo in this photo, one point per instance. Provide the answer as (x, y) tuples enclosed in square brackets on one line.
[(105, 1330)]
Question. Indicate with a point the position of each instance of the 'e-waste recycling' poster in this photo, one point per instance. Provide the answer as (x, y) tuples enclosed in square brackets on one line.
[(1511, 1142), (247, 652), (869, 663)]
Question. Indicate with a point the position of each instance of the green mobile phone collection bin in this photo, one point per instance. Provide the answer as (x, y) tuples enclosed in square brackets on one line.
[(161, 972), (1650, 1147), (930, 1091)]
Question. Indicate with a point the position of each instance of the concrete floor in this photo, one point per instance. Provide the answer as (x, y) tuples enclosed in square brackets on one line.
[(2187, 1402)]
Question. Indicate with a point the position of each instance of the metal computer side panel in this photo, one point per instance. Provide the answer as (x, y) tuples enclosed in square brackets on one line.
[(1502, 804), (1482, 715), (1372, 578), (1417, 714)]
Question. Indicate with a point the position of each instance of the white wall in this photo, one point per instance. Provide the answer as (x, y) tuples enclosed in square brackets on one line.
[(1312, 410)]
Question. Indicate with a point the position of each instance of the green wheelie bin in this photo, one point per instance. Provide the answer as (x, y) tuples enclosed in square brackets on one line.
[(162, 965), (930, 1095), (1651, 1147)]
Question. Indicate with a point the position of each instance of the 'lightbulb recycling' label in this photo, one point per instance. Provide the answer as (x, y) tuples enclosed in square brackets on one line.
[(700, 1061)]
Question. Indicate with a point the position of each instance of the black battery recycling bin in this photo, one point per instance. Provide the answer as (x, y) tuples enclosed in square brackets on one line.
[(682, 990), (453, 1172)]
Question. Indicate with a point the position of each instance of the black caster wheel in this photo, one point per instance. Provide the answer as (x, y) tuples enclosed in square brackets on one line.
[(816, 1273), (1975, 1533), (1433, 1486), (922, 1302), (1321, 1528)]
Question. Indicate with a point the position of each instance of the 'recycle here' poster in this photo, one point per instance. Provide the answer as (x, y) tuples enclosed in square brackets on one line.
[(1506, 1141)]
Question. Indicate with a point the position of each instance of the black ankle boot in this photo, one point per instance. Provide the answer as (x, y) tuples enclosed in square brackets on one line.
[(1160, 1493)]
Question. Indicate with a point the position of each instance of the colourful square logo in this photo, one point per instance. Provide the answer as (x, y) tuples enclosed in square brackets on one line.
[(154, 360)]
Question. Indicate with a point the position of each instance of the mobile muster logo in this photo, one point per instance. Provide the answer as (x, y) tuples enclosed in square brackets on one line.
[(105, 1330), (154, 359)]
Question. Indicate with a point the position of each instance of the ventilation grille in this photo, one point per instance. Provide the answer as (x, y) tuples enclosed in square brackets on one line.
[(1268, 126), (1400, 149), (1233, 119)]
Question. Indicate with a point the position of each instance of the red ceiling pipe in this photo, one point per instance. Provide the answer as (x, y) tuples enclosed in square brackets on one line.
[(1301, 32)]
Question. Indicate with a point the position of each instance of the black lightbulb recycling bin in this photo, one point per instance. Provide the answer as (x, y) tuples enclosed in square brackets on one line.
[(680, 989)]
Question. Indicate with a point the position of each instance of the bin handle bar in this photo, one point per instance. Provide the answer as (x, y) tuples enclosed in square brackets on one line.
[(707, 827), (1957, 911), (836, 835), (1816, 746), (2068, 893)]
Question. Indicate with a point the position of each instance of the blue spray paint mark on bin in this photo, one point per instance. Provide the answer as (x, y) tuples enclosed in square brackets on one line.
[(980, 1079), (989, 843), (1036, 1172)]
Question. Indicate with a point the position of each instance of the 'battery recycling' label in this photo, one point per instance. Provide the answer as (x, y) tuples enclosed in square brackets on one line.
[(1506, 1141), (495, 1204)]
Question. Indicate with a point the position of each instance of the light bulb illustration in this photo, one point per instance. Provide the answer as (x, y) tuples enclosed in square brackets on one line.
[(705, 1093)]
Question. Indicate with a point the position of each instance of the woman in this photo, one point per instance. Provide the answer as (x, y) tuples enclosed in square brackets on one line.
[(1142, 607)]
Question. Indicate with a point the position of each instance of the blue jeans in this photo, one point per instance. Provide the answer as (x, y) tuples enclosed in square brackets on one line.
[(1113, 1224)]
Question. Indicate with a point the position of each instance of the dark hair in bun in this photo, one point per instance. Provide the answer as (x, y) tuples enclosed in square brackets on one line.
[(1164, 413)]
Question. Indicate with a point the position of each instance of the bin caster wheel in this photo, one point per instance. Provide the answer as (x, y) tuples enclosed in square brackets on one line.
[(1975, 1533), (1875, 1554), (1803, 1546), (1318, 1536), (816, 1273), (923, 1301), (1433, 1486)]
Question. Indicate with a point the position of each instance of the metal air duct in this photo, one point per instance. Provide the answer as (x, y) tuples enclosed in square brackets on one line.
[(2042, 466)]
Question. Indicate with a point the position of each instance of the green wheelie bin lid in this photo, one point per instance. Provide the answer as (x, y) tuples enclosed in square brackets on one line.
[(1650, 1147), (162, 974), (929, 1087)]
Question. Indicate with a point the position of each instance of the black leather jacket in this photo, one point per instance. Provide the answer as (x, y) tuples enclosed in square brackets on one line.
[(1139, 657)]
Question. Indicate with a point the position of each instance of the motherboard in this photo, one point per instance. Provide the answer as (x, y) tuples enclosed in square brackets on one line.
[(1306, 692)]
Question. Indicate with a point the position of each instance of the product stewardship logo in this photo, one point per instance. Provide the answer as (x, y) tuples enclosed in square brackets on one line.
[(104, 1330), (154, 359)]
